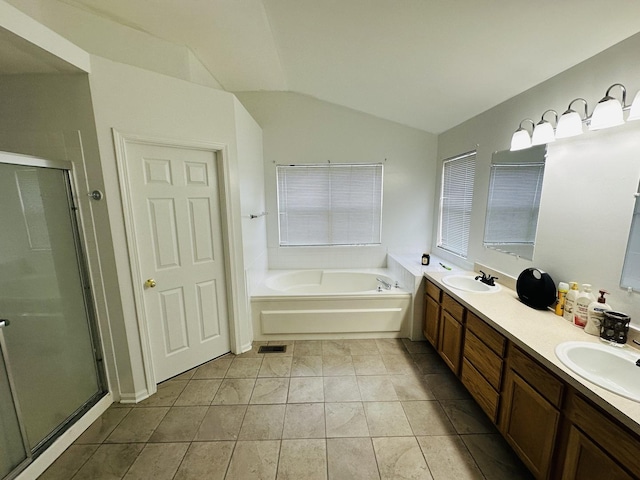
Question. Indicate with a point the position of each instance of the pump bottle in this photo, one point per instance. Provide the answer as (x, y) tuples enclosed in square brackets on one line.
[(570, 301), (595, 314), (580, 311)]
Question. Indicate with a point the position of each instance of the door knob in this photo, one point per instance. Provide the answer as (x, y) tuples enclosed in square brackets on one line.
[(4, 323), (150, 283)]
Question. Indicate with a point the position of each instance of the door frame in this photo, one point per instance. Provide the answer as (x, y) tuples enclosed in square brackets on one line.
[(229, 238)]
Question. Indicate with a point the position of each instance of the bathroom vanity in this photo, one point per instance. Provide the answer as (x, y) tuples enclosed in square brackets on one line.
[(559, 424)]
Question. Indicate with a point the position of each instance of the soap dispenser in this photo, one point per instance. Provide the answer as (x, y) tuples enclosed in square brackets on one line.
[(595, 314)]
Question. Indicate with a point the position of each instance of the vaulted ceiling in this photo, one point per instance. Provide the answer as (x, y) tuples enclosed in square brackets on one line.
[(430, 64)]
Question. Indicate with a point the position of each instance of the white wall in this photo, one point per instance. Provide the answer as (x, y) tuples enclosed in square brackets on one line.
[(587, 198), (299, 129), (136, 101)]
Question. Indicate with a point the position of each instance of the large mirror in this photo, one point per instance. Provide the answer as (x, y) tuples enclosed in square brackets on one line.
[(515, 186)]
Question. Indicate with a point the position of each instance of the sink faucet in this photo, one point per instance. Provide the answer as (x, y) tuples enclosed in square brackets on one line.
[(486, 279), (387, 285)]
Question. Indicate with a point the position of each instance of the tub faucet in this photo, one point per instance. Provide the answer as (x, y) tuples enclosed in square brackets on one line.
[(387, 285)]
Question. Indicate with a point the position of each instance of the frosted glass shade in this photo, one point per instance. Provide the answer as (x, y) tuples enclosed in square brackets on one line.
[(520, 140), (543, 133), (608, 113), (569, 125), (634, 114)]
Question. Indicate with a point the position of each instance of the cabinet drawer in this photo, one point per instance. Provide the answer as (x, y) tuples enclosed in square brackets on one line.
[(480, 389), (454, 308), (616, 440), (433, 291), (494, 340), (485, 360), (547, 384)]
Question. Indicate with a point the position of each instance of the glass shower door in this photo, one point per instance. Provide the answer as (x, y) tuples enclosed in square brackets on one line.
[(13, 450), (50, 343)]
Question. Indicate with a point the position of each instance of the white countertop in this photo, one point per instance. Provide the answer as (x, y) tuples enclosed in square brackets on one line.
[(538, 332)]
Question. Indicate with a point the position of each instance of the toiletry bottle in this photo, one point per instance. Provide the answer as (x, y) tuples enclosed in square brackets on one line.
[(563, 289), (426, 258), (581, 309), (570, 301), (595, 314)]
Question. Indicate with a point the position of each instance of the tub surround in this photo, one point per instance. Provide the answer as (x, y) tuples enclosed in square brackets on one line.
[(538, 333)]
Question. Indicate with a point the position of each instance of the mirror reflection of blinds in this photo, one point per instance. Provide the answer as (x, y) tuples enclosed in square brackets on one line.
[(514, 203), (456, 200), (334, 204)]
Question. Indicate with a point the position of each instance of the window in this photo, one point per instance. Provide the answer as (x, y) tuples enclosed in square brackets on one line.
[(333, 204), (515, 187), (456, 199)]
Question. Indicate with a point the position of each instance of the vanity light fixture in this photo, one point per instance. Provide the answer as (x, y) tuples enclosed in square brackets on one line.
[(634, 114), (570, 123), (521, 138), (543, 131), (608, 111)]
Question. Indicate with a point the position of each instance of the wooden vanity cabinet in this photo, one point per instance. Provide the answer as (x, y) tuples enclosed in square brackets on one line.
[(451, 335), (431, 326), (530, 414), (482, 364), (596, 446)]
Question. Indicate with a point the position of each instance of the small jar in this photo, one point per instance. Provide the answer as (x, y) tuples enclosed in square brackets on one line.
[(426, 258)]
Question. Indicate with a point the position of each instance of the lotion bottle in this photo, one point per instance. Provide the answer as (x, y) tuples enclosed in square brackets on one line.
[(581, 309), (595, 314), (570, 301)]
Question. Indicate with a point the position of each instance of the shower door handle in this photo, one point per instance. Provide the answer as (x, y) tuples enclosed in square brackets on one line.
[(4, 323)]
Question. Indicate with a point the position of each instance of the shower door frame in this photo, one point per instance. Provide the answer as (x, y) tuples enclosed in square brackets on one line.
[(89, 307)]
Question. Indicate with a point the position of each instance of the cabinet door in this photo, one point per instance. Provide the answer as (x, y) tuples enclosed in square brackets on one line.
[(529, 423), (450, 341), (431, 320), (586, 461)]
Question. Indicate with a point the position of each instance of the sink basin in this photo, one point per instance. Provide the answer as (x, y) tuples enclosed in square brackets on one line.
[(610, 367), (468, 283)]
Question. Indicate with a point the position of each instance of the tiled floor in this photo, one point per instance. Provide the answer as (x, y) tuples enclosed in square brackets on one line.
[(348, 409)]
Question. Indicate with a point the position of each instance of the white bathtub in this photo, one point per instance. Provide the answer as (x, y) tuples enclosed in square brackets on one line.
[(306, 304)]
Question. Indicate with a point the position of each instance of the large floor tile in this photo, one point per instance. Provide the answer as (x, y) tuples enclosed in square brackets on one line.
[(446, 386), (390, 346), (411, 387), (180, 424), (244, 368), (418, 347), (351, 459), (109, 462), (346, 420), (467, 417), (69, 462), (103, 426), (198, 392), (254, 460), (400, 458), (306, 348), (270, 390), (234, 391), (304, 420), (275, 366), (369, 365), (341, 389), (337, 365), (157, 461), (495, 458), (138, 425), (429, 363), (427, 418), (362, 347), (205, 460), (386, 419), (214, 369), (263, 422), (399, 364), (306, 389), (376, 388), (307, 366), (221, 422), (303, 459), (166, 395), (448, 457), (335, 348)]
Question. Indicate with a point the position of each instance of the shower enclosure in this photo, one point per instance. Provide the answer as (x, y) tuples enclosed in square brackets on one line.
[(51, 370)]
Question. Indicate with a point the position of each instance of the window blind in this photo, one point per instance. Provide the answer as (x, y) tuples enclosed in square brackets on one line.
[(456, 200), (334, 204), (513, 205)]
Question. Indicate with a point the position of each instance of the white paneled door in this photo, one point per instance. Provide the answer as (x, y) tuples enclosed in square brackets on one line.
[(175, 199)]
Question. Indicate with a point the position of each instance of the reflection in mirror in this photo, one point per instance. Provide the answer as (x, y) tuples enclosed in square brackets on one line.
[(515, 186), (631, 270)]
